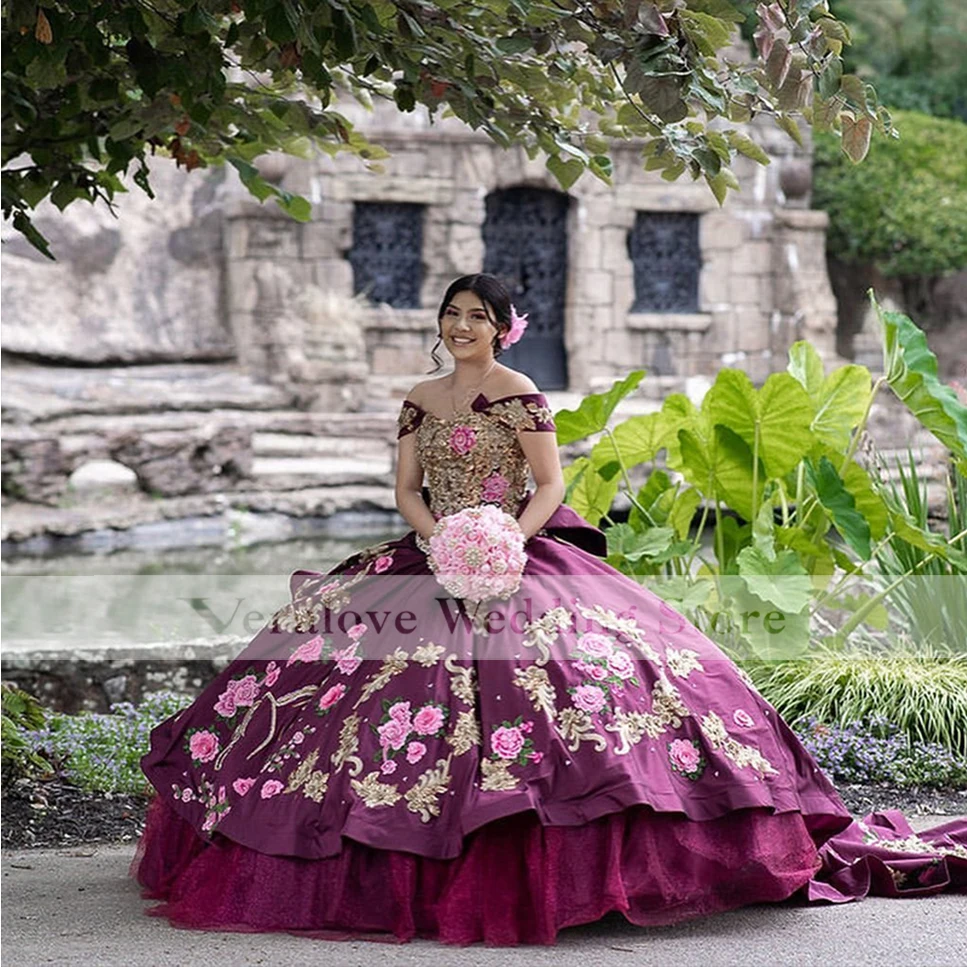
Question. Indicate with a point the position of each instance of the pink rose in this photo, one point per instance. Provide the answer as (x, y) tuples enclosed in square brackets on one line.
[(536, 757), (463, 439), (494, 487), (209, 822), (225, 706), (588, 698), (298, 738), (400, 712), (222, 794), (428, 720), (187, 795), (332, 696), (246, 690), (358, 630), (620, 664), (383, 562), (308, 651), (272, 788), (526, 727), (392, 734), (584, 667), (595, 645), (414, 752), (507, 742), (347, 661), (598, 673), (242, 786), (388, 767), (271, 674), (684, 755), (742, 718), (203, 746)]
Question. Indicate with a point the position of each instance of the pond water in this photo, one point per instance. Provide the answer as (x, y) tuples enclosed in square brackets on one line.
[(159, 597)]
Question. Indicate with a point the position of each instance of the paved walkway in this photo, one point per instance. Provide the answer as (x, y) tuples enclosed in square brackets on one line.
[(77, 906)]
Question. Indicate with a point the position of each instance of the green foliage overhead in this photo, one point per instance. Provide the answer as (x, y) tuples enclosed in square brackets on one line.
[(905, 208), (774, 472), (91, 88)]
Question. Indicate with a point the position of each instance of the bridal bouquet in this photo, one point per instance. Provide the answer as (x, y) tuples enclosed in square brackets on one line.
[(478, 553)]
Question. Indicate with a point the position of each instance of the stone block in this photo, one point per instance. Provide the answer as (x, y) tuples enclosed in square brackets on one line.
[(720, 229), (333, 275), (596, 289)]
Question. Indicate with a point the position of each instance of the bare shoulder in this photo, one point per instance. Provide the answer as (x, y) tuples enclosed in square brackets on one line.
[(426, 392), (510, 383)]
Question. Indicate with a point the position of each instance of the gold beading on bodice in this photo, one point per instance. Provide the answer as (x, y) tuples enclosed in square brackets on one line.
[(476, 457)]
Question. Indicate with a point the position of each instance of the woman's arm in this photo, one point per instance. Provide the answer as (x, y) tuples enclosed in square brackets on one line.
[(544, 458), (409, 488)]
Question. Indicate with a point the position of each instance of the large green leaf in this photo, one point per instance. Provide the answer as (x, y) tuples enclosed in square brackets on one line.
[(720, 467), (595, 410), (781, 581), (911, 371), (591, 495), (868, 501), (781, 412), (841, 505), (806, 366), (638, 439)]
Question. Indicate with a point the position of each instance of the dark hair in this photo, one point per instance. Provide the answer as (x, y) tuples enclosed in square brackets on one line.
[(492, 292)]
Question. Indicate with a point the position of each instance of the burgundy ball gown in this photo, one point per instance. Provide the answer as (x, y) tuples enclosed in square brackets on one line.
[(422, 779)]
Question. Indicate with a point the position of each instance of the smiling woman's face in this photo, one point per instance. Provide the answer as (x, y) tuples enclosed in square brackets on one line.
[(467, 331)]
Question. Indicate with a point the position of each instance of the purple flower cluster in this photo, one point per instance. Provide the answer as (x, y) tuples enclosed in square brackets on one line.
[(874, 750), (103, 752)]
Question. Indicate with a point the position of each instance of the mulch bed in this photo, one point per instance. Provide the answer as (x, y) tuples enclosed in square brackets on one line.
[(56, 813)]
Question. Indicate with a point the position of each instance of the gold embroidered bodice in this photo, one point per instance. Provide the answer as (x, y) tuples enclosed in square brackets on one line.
[(476, 458)]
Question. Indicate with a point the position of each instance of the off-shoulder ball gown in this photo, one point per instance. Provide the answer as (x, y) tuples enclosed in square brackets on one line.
[(419, 779)]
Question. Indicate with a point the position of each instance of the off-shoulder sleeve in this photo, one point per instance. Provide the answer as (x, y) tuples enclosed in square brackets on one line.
[(526, 411), (411, 416)]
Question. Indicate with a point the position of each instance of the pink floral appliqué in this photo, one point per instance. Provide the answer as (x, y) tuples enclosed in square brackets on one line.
[(308, 651), (414, 752), (272, 673), (494, 487), (686, 758), (203, 746), (463, 439), (742, 718), (588, 698), (331, 697), (242, 785), (383, 562), (272, 788), (240, 693), (346, 659), (428, 720)]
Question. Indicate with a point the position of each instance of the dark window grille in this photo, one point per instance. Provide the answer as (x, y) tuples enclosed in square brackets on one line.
[(387, 252), (665, 253)]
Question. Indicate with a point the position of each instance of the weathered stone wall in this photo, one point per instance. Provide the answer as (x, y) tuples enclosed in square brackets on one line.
[(144, 287)]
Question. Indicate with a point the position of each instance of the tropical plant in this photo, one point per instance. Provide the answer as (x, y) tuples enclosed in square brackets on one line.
[(927, 593), (774, 472), (919, 688), (90, 88)]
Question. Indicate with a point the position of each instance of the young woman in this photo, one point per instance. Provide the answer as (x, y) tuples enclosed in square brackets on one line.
[(374, 764)]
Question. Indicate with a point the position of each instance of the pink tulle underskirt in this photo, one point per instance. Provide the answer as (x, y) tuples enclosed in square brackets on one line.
[(515, 882)]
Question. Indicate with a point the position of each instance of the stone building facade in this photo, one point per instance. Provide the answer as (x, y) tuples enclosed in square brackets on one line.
[(642, 274)]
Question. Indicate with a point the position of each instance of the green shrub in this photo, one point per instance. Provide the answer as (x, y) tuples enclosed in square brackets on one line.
[(923, 691), (103, 752), (904, 208), (21, 712)]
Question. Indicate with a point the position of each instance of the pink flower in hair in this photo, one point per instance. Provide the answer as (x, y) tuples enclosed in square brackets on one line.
[(517, 326)]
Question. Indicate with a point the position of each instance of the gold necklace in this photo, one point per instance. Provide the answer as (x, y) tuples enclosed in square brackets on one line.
[(465, 406)]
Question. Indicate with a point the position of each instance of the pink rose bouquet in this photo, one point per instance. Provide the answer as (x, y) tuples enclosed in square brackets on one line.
[(478, 553)]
